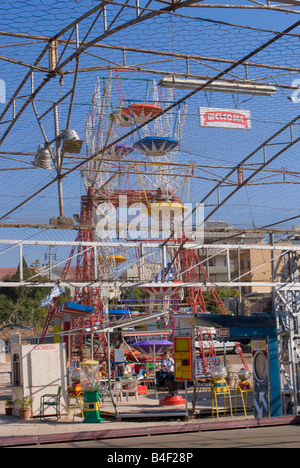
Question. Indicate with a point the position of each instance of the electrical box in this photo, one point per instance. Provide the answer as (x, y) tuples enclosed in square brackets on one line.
[(183, 358)]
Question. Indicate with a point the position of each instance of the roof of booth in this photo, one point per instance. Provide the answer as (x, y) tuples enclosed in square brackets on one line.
[(74, 309)]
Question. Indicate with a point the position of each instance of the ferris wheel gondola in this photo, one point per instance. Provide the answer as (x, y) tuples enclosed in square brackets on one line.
[(155, 145), (163, 288), (140, 112), (119, 152)]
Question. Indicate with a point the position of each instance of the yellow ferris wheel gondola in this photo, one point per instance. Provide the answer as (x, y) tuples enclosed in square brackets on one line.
[(175, 209), (112, 259), (169, 206)]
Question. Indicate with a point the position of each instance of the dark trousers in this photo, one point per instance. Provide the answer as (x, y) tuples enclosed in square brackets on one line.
[(164, 376)]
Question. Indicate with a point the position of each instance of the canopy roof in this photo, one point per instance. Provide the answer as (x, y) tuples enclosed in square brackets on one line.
[(74, 309)]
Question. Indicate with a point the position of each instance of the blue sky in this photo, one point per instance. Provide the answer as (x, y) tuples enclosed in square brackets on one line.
[(251, 207), (274, 20)]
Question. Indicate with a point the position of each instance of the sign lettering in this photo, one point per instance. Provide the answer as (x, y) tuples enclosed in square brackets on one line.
[(222, 333), (225, 118), (44, 348)]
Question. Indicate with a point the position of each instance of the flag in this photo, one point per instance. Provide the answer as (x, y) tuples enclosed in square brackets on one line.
[(55, 292), (160, 277)]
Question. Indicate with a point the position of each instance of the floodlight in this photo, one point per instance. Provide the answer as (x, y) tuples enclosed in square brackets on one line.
[(43, 158), (219, 86), (71, 142)]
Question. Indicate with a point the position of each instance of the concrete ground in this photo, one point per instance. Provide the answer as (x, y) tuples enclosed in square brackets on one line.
[(146, 416), (134, 417)]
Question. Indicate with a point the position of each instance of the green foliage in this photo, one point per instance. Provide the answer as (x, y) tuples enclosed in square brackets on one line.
[(22, 304), (25, 402), (132, 294), (224, 293)]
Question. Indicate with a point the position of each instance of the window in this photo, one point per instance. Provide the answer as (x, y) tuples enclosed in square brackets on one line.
[(16, 377)]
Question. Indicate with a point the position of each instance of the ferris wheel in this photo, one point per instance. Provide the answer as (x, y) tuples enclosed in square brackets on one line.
[(156, 144), (101, 129), (114, 111), (165, 176)]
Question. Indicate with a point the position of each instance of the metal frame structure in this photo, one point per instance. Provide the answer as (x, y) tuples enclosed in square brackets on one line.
[(58, 67), (230, 250), (286, 286), (287, 312)]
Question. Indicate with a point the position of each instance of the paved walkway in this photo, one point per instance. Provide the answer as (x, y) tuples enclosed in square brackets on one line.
[(135, 418), (140, 417)]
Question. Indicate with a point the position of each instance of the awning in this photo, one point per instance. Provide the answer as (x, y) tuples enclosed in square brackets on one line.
[(74, 309), (236, 321), (241, 327), (163, 288), (147, 346)]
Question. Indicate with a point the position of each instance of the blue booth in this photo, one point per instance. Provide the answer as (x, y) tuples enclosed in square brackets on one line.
[(255, 327)]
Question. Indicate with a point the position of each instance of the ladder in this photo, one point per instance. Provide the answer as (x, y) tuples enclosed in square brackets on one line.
[(206, 343), (51, 310), (287, 312), (240, 352), (207, 350)]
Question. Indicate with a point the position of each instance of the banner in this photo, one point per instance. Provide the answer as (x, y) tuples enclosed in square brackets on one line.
[(225, 118)]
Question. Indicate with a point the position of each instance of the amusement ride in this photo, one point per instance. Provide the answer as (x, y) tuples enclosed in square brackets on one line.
[(157, 201), (135, 210)]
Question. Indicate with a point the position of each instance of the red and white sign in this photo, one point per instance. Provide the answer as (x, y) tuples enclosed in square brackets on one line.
[(225, 118), (167, 288), (222, 332)]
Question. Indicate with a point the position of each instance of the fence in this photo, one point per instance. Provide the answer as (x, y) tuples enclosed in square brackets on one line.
[(205, 366)]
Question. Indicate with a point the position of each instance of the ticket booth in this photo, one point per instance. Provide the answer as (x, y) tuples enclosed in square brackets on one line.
[(184, 347), (37, 370), (183, 358)]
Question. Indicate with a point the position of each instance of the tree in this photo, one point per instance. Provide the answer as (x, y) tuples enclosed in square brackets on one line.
[(22, 304), (224, 294), (6, 304)]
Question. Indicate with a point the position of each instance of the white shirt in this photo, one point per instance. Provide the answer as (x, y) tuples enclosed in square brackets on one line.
[(168, 363)]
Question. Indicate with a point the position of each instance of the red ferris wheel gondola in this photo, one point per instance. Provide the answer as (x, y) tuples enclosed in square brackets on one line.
[(140, 113)]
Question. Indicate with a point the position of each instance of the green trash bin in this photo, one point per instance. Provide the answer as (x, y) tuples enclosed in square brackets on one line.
[(91, 407), (90, 381)]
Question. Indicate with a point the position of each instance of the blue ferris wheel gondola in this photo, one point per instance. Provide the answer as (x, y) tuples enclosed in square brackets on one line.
[(155, 145)]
